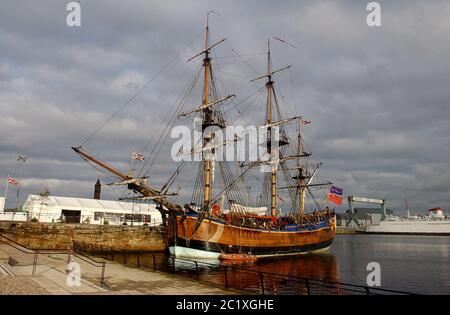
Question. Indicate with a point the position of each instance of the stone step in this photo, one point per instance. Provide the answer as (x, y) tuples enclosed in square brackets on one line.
[(7, 270)]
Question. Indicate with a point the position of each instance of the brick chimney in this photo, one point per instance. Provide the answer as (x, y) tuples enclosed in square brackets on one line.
[(98, 189)]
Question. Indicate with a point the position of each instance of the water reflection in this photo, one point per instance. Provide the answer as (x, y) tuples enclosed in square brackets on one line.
[(311, 266), (413, 264), (275, 273), (322, 266)]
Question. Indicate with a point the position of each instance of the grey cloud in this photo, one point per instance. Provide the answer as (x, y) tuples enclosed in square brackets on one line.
[(378, 98)]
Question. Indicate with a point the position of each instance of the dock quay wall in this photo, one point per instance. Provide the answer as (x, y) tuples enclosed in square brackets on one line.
[(61, 236)]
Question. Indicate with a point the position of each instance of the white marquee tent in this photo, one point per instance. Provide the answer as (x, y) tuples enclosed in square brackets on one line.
[(93, 211)]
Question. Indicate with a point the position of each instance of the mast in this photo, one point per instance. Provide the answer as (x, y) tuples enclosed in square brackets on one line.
[(207, 117), (273, 177), (301, 176)]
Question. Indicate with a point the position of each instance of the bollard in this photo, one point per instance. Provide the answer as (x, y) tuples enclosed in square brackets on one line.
[(138, 262)]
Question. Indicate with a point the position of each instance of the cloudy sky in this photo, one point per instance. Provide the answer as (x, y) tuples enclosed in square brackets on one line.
[(378, 98)]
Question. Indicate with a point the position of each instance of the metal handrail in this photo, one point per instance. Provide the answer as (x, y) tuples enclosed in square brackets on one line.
[(37, 251), (290, 277), (263, 274)]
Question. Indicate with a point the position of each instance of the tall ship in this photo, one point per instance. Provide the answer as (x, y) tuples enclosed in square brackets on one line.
[(221, 221), (434, 223)]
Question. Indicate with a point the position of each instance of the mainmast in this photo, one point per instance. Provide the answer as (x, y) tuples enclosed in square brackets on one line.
[(270, 124), (273, 177), (303, 178)]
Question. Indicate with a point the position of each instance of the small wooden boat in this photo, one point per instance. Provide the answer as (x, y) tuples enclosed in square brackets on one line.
[(238, 257)]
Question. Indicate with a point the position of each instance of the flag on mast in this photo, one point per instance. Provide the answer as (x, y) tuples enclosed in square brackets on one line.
[(335, 195), (305, 122), (138, 156), (336, 190), (12, 181)]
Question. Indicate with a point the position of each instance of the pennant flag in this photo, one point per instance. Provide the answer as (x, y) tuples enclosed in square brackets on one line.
[(282, 200), (138, 156), (335, 199), (12, 181), (336, 190), (306, 122)]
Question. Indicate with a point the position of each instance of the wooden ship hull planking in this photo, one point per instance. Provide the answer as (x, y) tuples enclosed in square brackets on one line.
[(213, 236)]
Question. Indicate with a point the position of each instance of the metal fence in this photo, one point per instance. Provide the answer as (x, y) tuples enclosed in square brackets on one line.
[(35, 252), (235, 277)]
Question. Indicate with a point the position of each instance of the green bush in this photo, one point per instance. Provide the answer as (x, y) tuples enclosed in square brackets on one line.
[(34, 219), (105, 222)]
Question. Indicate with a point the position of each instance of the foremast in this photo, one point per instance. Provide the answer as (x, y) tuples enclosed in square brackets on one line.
[(207, 120), (210, 118)]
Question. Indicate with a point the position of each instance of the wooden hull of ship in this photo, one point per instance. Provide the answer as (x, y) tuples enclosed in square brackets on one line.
[(214, 238)]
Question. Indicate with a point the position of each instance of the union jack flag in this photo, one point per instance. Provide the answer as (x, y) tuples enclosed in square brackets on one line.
[(138, 156), (12, 181)]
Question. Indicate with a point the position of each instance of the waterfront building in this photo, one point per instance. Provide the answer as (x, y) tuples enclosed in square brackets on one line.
[(83, 210)]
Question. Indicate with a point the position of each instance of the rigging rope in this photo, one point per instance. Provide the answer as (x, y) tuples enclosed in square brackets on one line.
[(240, 56), (140, 90), (168, 127)]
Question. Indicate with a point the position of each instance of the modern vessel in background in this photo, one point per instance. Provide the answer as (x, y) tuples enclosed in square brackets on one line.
[(434, 223)]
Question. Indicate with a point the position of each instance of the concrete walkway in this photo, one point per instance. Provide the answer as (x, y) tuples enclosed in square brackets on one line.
[(50, 278)]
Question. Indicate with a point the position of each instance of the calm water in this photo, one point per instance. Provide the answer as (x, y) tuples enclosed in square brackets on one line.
[(418, 264)]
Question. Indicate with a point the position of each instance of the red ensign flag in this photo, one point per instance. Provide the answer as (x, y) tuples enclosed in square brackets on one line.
[(335, 199)]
